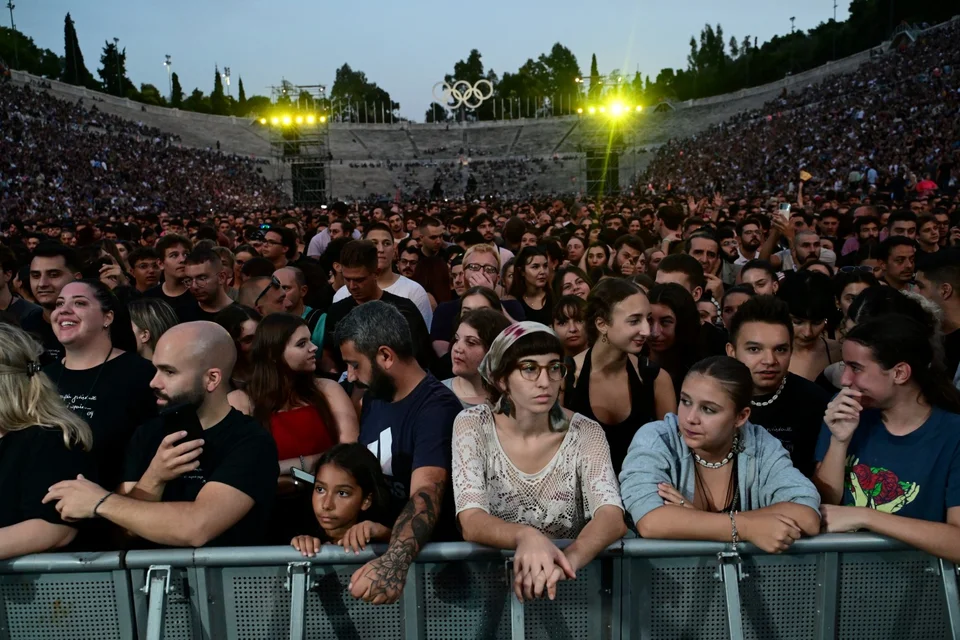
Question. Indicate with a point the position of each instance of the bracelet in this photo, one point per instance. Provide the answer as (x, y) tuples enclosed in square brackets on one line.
[(100, 502), (303, 464), (734, 534)]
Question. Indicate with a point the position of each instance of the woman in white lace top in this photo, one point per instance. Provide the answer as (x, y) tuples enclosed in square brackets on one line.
[(527, 471)]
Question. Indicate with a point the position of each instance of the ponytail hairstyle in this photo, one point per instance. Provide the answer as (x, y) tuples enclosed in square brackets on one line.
[(30, 397), (121, 331), (895, 339), (731, 374)]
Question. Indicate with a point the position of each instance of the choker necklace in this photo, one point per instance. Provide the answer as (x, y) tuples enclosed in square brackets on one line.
[(767, 403), (716, 465)]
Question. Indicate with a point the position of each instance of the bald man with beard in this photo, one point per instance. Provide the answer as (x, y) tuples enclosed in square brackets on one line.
[(213, 491)]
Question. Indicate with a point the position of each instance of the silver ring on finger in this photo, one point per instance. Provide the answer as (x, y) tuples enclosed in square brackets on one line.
[(683, 502)]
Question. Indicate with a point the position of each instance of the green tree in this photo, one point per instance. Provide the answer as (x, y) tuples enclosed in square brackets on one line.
[(74, 70), (149, 94), (360, 100), (15, 46), (258, 105), (241, 108), (176, 91), (198, 102), (593, 93), (437, 113), (218, 100), (113, 71)]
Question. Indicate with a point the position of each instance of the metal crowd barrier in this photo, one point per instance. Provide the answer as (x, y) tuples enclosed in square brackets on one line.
[(849, 586)]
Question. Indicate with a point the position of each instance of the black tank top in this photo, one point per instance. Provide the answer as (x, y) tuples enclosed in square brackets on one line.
[(642, 405)]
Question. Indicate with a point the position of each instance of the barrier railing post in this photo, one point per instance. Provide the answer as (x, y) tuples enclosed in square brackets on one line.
[(298, 583), (413, 627), (731, 571), (517, 624), (156, 586), (948, 573), (828, 579)]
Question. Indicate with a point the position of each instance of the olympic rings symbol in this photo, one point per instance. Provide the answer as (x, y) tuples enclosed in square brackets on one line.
[(463, 94)]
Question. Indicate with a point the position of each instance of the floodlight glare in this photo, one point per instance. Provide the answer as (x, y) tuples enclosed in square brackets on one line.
[(274, 120), (299, 119), (603, 109), (580, 110), (311, 119), (593, 109), (323, 119), (616, 108), (639, 108), (263, 121), (286, 120)]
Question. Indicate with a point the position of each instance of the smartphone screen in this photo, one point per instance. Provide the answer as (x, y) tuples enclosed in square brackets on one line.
[(785, 211), (182, 417), (302, 476)]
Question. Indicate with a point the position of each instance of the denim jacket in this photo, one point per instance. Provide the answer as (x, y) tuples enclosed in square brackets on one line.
[(658, 454)]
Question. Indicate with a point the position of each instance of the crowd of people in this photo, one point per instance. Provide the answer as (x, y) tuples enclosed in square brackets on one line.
[(744, 367)]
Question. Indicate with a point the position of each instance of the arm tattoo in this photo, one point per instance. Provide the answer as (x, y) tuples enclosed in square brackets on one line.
[(411, 531)]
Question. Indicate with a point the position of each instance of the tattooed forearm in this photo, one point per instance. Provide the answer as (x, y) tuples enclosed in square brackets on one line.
[(419, 516)]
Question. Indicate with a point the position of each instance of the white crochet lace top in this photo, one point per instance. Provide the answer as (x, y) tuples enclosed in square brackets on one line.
[(557, 500)]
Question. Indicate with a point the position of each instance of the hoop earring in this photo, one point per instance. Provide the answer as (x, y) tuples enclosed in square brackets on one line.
[(603, 338)]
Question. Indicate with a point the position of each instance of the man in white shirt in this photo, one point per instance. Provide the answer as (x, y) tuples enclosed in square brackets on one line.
[(338, 228), (381, 236)]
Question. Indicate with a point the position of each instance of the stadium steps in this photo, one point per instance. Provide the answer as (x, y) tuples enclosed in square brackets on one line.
[(413, 143), (515, 139), (575, 124), (356, 136)]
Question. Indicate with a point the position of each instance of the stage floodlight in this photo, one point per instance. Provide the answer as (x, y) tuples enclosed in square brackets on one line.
[(323, 119), (616, 109), (263, 121), (639, 108), (286, 120), (274, 120), (311, 119), (592, 109), (603, 109), (299, 119), (580, 110)]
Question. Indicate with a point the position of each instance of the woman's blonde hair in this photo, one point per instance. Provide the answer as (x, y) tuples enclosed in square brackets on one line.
[(29, 396)]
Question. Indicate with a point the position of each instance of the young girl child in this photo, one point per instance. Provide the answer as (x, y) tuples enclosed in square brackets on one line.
[(349, 483)]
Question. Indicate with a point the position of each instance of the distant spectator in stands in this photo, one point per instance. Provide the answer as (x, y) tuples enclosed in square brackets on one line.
[(101, 377), (894, 425), (526, 471), (145, 268), (399, 285), (432, 272), (709, 473), (206, 280), (217, 491), (406, 421), (150, 318), (898, 254), (471, 341), (173, 250), (263, 293), (52, 267), (349, 497), (43, 443)]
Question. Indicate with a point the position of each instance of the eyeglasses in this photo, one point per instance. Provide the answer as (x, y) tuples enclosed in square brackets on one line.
[(857, 268), (274, 284), (490, 270), (200, 280), (531, 370)]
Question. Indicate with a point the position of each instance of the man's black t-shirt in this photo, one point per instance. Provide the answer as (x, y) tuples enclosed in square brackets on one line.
[(114, 398), (185, 305), (794, 418), (418, 328), (31, 461), (237, 452), (441, 328), (951, 344), (208, 316), (34, 323)]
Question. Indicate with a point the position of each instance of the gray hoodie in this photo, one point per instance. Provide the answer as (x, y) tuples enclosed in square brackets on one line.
[(658, 454)]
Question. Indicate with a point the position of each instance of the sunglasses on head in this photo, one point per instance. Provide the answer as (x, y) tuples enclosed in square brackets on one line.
[(274, 284)]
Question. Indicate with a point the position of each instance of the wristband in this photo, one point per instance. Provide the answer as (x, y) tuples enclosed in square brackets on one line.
[(100, 502), (734, 534)]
